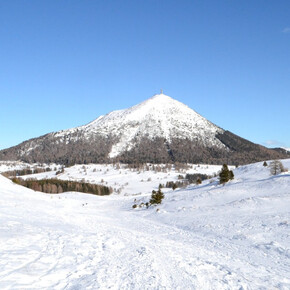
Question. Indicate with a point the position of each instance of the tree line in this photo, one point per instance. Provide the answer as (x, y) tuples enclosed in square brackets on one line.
[(59, 186), (25, 171)]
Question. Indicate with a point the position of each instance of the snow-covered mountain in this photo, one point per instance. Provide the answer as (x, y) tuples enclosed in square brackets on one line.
[(159, 129), (158, 117)]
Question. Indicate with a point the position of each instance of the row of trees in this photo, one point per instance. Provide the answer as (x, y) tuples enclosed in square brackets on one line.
[(25, 171), (59, 186)]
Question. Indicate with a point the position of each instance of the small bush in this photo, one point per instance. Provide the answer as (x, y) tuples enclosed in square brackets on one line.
[(198, 181)]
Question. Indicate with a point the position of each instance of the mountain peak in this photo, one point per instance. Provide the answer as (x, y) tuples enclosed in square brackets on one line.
[(161, 99), (161, 104), (159, 130), (157, 117), (161, 96)]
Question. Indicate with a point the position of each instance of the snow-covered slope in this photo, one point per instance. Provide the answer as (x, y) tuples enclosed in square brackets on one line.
[(210, 236), (18, 165), (160, 116), (158, 130), (124, 180)]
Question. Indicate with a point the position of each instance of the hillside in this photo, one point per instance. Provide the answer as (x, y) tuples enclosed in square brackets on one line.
[(209, 236), (159, 130)]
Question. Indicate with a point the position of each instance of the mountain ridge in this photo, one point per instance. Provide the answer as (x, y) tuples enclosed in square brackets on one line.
[(158, 130)]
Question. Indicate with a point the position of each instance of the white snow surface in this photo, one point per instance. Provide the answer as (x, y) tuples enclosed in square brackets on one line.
[(19, 165), (14, 165), (159, 116), (124, 180), (209, 236)]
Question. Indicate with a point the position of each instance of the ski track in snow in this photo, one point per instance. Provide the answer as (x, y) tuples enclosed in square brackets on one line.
[(204, 237), (109, 256)]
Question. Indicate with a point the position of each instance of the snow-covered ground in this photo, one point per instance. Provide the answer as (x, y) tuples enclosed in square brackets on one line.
[(19, 165), (209, 236), (124, 180)]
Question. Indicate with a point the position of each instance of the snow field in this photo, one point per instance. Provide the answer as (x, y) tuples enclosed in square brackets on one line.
[(19, 165), (209, 236), (123, 180)]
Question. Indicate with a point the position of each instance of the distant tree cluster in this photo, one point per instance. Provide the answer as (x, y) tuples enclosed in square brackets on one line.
[(243, 151), (75, 148), (225, 174), (147, 151), (68, 150), (183, 151), (196, 178), (136, 166), (59, 186), (175, 184), (25, 171), (146, 167), (276, 167), (180, 167), (193, 178)]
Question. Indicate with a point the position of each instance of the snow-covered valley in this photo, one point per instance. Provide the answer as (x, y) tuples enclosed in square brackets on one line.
[(208, 236)]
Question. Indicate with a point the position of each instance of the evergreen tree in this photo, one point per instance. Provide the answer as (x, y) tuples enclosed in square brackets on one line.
[(156, 197), (265, 164), (226, 174)]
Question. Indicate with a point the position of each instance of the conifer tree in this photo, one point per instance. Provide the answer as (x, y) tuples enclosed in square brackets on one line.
[(226, 174), (156, 197)]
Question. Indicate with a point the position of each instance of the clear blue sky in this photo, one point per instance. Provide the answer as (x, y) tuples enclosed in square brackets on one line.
[(64, 63)]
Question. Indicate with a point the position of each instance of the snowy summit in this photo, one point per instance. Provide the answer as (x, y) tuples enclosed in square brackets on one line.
[(158, 130), (160, 116)]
